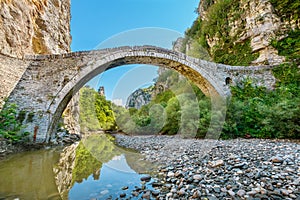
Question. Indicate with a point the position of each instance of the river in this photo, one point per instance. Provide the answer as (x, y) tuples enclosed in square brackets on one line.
[(95, 168)]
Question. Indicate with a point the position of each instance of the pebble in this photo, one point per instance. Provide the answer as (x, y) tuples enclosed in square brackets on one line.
[(231, 193), (241, 193), (181, 192), (207, 169), (146, 178), (146, 195), (217, 163), (277, 159), (197, 177), (122, 195), (170, 174), (285, 192), (125, 188)]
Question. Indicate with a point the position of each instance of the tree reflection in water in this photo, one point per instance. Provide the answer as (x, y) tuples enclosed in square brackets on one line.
[(97, 168)]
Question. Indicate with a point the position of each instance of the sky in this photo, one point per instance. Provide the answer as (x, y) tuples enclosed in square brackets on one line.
[(97, 24)]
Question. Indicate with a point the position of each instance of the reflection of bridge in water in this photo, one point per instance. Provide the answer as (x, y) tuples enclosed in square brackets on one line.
[(50, 81), (92, 156)]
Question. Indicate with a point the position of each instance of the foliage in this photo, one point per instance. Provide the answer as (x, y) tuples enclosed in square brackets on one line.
[(104, 113), (289, 46), (173, 117), (147, 120), (217, 24), (234, 54), (206, 4), (288, 9), (10, 124), (95, 111), (260, 113)]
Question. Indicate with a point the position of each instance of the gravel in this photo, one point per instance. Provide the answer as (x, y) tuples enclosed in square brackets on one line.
[(211, 169)]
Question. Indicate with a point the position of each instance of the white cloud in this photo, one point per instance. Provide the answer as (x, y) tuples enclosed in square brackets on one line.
[(118, 102)]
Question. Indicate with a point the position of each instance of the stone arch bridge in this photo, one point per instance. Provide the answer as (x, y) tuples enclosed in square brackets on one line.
[(49, 81)]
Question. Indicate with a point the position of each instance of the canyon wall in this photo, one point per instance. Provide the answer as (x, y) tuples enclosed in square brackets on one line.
[(33, 27), (241, 32)]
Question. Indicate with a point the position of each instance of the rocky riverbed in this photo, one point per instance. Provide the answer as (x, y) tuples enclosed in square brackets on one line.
[(208, 169)]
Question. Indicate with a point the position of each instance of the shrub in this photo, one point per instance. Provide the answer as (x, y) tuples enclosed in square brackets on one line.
[(10, 125)]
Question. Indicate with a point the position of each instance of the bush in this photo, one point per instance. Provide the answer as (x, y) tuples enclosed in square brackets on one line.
[(10, 126)]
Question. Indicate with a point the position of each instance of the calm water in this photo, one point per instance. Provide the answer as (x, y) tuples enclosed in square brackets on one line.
[(93, 169)]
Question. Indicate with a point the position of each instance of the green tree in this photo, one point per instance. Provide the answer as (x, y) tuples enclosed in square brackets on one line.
[(95, 111)]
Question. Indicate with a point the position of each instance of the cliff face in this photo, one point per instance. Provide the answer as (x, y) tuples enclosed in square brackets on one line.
[(244, 29), (30, 27), (139, 98), (34, 27)]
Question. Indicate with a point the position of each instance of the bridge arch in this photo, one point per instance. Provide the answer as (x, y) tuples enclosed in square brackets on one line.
[(50, 81), (123, 56)]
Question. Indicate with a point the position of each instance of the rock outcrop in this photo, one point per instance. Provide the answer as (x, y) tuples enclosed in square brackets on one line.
[(254, 20), (30, 27), (139, 98), (34, 27), (71, 115)]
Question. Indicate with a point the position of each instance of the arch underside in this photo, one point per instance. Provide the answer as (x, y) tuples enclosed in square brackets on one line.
[(66, 95), (204, 85)]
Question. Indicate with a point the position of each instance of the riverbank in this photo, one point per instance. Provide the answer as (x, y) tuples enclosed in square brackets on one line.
[(7, 147), (231, 169)]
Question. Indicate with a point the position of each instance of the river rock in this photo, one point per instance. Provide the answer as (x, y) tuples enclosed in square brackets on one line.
[(125, 188), (217, 163), (170, 174), (214, 169), (277, 159), (146, 195), (197, 177), (122, 195), (231, 193), (146, 178), (241, 193)]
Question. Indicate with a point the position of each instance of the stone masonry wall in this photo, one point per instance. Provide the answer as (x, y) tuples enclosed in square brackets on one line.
[(9, 76)]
